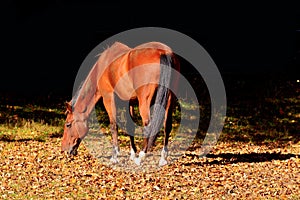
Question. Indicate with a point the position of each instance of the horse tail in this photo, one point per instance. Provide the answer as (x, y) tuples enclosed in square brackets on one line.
[(162, 95)]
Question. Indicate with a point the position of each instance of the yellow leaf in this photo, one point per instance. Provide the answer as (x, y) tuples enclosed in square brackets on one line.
[(73, 180)]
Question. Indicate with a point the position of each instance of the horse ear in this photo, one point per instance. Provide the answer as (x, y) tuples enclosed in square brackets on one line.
[(69, 107)]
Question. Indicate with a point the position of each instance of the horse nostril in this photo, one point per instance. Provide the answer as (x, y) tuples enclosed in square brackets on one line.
[(74, 152)]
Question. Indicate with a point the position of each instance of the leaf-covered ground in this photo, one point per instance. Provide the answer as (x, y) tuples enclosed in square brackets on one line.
[(256, 157), (36, 169)]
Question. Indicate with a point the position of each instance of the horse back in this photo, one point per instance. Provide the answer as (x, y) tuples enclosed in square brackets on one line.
[(136, 70)]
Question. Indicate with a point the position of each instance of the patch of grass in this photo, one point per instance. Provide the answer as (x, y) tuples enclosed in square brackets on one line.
[(36, 132)]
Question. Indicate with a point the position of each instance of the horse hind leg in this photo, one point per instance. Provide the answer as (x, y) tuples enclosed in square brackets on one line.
[(167, 129)]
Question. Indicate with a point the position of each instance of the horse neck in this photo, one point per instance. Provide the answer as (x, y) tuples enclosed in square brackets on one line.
[(88, 95), (84, 108)]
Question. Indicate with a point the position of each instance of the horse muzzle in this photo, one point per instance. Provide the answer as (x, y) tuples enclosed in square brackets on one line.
[(72, 150)]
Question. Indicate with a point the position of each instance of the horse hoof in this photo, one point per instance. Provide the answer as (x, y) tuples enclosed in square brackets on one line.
[(137, 161), (142, 155), (114, 160), (132, 157), (162, 162)]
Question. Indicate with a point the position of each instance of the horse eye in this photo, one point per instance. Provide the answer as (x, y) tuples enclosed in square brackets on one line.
[(68, 124)]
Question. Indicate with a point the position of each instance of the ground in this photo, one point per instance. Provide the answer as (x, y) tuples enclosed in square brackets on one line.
[(256, 156)]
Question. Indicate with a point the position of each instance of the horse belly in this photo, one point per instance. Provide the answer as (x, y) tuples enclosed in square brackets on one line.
[(124, 88)]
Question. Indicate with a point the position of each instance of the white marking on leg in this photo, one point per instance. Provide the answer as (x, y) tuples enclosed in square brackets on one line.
[(115, 154), (142, 154), (163, 159), (138, 160), (117, 149), (132, 154)]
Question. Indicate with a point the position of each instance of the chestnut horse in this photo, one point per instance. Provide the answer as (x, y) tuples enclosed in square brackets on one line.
[(142, 73)]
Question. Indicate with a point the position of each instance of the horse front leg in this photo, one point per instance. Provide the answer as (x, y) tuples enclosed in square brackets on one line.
[(133, 148), (115, 143), (143, 152), (110, 106), (130, 130), (145, 115)]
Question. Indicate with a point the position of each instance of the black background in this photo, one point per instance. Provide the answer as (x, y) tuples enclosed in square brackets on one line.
[(44, 42)]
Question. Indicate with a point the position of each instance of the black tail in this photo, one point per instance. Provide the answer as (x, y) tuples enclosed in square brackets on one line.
[(162, 95)]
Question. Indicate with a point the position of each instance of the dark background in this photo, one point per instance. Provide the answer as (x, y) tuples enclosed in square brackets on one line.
[(44, 42)]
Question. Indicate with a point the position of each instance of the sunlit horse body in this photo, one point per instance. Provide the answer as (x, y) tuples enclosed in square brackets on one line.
[(142, 73)]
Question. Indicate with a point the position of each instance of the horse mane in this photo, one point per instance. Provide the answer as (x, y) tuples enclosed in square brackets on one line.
[(109, 54), (76, 95)]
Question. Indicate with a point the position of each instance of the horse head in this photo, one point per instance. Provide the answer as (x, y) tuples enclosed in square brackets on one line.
[(75, 129)]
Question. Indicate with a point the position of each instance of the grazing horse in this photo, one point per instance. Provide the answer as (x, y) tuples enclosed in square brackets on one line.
[(143, 73)]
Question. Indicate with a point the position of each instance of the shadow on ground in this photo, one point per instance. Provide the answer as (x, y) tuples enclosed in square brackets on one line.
[(231, 158)]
